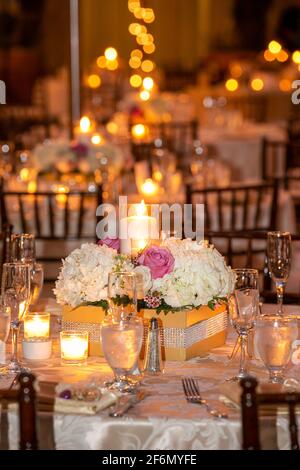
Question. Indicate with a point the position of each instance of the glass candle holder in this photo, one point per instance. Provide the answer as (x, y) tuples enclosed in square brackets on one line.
[(37, 326), (74, 347)]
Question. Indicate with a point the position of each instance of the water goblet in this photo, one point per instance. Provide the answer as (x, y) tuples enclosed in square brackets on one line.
[(122, 331), (273, 340), (279, 250), (16, 295), (4, 329), (243, 309)]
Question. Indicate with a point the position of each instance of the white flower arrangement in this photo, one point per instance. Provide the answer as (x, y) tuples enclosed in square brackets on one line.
[(177, 275)]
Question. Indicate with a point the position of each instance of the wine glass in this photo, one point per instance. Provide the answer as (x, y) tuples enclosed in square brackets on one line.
[(4, 328), (243, 309), (273, 340), (279, 250), (37, 282), (16, 295), (122, 330)]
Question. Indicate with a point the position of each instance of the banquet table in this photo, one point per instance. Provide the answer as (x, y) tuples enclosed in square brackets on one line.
[(162, 421)]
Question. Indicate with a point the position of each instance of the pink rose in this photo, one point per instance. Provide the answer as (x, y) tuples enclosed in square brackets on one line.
[(159, 260), (113, 243)]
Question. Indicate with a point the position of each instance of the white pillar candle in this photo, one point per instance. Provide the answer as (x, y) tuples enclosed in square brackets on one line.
[(136, 231), (74, 346), (37, 326)]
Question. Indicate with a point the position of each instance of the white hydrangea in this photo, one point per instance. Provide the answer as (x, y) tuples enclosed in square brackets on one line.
[(200, 274), (84, 275)]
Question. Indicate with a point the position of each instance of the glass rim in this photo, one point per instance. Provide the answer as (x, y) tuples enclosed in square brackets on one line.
[(37, 314), (17, 264), (74, 333), (246, 270), (278, 318), (29, 236)]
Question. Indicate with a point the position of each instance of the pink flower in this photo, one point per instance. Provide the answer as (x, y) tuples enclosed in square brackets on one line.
[(113, 243), (159, 260)]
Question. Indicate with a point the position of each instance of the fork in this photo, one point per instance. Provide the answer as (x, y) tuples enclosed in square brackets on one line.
[(193, 395)]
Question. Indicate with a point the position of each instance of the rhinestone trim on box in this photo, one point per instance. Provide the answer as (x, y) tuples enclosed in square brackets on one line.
[(182, 338)]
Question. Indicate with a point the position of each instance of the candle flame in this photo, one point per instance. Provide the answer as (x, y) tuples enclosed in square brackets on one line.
[(141, 209), (85, 124)]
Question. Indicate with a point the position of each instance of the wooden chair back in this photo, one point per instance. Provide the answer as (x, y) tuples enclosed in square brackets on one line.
[(279, 159), (251, 401), (238, 208), (25, 396)]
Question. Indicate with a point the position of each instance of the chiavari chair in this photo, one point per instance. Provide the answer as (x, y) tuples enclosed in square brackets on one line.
[(52, 217), (177, 137), (279, 160), (252, 107), (238, 208), (25, 396), (251, 402)]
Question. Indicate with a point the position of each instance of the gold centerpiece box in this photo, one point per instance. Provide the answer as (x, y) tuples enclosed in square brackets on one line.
[(184, 335)]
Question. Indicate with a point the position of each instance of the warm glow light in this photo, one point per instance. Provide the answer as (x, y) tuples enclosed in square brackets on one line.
[(269, 57), (149, 48), (149, 188), (274, 47), (142, 39), (94, 81), (24, 174), (135, 81), (285, 85), (37, 326), (61, 190), (138, 13), (137, 53), (148, 83), (145, 95), (141, 209), (148, 15), (139, 131), (147, 66), (232, 84), (96, 139), (74, 346), (32, 187), (133, 4), (85, 124), (112, 127), (112, 64), (257, 84), (111, 53), (296, 57), (236, 70), (282, 56), (135, 29), (135, 62), (101, 62)]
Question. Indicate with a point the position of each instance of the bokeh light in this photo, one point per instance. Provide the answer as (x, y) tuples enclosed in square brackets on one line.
[(85, 124), (282, 56), (137, 53), (149, 48), (145, 95), (136, 81), (135, 62), (257, 84), (269, 57), (101, 62), (147, 66), (274, 47), (296, 57), (111, 53), (285, 85), (232, 84), (148, 83), (139, 131), (112, 64), (94, 81)]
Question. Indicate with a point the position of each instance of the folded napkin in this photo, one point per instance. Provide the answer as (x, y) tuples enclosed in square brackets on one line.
[(85, 407)]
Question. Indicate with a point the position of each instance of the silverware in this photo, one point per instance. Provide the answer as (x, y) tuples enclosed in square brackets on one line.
[(193, 395), (125, 403)]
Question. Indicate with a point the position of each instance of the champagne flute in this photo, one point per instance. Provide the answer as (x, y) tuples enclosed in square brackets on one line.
[(122, 330), (279, 250), (16, 295), (23, 250), (273, 339), (4, 329), (243, 309)]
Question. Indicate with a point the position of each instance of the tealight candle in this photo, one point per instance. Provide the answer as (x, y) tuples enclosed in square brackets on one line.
[(74, 347), (37, 345), (149, 188), (37, 326)]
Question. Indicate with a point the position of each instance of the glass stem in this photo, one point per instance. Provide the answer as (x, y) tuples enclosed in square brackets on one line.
[(243, 369), (280, 293), (15, 335)]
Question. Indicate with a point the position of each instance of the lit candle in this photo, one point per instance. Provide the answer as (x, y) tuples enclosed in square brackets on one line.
[(137, 230), (139, 131), (37, 326), (74, 346), (149, 188)]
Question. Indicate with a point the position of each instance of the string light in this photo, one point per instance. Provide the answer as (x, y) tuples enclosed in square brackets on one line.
[(136, 81), (257, 84), (269, 57), (296, 57), (94, 81), (232, 84), (274, 47), (148, 83), (101, 62)]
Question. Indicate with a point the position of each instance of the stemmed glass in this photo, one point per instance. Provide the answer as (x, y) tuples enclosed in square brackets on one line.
[(16, 295), (23, 250), (273, 340), (122, 330), (279, 251), (243, 309), (4, 328)]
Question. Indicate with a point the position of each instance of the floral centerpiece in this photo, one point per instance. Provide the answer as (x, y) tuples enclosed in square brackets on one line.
[(65, 156), (182, 282)]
